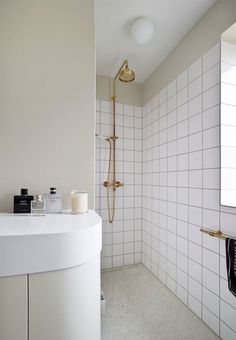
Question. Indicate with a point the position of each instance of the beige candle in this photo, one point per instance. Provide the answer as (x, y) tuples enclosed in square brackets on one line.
[(79, 202)]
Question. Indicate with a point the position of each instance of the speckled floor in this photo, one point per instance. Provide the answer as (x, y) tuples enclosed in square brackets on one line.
[(139, 307)]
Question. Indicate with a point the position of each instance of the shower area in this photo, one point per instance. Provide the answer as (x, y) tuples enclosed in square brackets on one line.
[(156, 263), (119, 175), (158, 182)]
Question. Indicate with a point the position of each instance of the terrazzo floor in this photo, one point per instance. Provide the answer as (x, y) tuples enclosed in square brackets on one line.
[(140, 307)]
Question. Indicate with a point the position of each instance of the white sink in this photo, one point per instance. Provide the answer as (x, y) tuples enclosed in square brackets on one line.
[(33, 244)]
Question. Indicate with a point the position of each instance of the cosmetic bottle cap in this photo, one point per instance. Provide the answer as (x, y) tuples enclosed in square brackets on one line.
[(38, 198), (53, 190), (24, 192)]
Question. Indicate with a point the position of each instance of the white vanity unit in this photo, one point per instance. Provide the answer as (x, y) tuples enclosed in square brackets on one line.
[(50, 277)]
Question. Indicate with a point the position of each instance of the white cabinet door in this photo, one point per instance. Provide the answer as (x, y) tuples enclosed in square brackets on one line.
[(65, 304), (13, 308)]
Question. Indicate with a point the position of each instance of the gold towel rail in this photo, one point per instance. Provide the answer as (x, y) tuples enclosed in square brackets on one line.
[(213, 233)]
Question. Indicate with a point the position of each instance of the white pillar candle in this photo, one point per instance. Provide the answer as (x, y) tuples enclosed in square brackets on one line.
[(79, 202)]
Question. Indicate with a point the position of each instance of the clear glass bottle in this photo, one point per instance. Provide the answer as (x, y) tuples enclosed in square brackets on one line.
[(53, 202), (38, 206)]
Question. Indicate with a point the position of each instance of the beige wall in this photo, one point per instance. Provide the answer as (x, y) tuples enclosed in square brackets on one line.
[(130, 93), (204, 35), (47, 67)]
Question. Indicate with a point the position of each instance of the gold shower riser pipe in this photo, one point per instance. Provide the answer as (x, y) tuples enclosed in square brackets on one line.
[(114, 137), (112, 144), (114, 184)]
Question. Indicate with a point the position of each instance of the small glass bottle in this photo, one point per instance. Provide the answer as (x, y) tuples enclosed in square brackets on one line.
[(53, 202), (38, 206)]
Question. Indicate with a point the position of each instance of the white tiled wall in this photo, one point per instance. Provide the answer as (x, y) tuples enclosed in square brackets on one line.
[(168, 157), (122, 238), (181, 194)]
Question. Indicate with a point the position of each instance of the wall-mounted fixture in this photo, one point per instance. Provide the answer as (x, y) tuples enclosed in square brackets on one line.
[(125, 74), (142, 30)]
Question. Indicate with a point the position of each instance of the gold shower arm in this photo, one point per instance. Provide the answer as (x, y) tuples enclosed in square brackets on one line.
[(125, 63)]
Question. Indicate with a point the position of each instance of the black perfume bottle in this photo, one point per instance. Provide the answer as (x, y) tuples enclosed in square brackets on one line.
[(22, 203)]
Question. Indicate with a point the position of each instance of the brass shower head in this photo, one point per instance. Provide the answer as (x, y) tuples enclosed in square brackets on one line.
[(127, 75)]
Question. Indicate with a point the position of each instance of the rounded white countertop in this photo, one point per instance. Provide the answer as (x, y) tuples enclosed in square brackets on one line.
[(32, 244)]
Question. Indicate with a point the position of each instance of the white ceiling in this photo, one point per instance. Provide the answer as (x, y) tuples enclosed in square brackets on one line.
[(172, 20)]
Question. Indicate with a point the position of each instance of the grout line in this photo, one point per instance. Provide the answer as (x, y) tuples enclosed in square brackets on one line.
[(219, 217), (202, 209), (28, 307), (188, 199)]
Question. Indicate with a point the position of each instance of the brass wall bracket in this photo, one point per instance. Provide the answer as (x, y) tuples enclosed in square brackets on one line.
[(113, 185), (217, 234), (114, 138)]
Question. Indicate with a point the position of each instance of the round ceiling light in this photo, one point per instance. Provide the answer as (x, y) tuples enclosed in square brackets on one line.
[(142, 30)]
